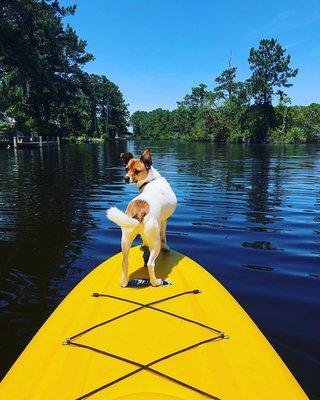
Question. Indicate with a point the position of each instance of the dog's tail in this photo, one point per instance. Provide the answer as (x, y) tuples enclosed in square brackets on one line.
[(121, 219)]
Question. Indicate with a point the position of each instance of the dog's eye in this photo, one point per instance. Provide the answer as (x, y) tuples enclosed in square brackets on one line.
[(136, 171)]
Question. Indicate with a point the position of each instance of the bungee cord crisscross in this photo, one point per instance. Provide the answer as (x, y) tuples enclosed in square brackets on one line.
[(146, 367)]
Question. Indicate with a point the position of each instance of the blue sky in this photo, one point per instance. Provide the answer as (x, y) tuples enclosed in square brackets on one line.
[(155, 51)]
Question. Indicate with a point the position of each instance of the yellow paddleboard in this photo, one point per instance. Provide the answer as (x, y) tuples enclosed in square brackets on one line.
[(190, 340)]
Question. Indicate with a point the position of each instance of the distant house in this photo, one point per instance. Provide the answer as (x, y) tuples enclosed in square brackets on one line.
[(21, 137)]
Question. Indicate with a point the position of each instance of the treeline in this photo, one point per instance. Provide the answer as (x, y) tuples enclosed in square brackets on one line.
[(42, 84), (237, 111)]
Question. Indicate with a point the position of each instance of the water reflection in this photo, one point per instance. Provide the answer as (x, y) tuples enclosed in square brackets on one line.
[(45, 220), (249, 214)]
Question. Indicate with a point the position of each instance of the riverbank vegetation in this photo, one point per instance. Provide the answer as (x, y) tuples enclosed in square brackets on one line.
[(44, 90), (42, 84), (237, 111)]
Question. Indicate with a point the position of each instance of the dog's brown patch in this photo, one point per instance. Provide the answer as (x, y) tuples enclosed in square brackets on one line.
[(138, 209), (137, 170)]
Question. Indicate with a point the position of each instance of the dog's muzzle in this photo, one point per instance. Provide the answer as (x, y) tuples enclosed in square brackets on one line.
[(126, 179)]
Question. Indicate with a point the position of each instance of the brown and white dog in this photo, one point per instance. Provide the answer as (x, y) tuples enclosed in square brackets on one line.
[(147, 214)]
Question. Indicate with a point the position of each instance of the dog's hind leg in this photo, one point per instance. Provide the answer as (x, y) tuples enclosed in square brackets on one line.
[(126, 241), (154, 252), (163, 230), (152, 235)]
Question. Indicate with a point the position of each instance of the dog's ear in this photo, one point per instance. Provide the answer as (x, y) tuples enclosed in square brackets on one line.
[(125, 157), (146, 158)]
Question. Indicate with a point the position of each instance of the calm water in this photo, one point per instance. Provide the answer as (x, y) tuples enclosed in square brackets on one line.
[(249, 214)]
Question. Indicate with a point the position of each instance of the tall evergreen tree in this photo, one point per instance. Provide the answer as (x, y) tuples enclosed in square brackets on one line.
[(226, 83), (270, 74), (270, 70)]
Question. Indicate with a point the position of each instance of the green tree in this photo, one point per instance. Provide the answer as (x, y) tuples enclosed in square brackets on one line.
[(192, 117), (199, 97), (157, 124), (113, 110), (270, 70), (137, 122), (42, 84), (226, 84), (270, 74), (106, 107), (307, 120), (39, 55)]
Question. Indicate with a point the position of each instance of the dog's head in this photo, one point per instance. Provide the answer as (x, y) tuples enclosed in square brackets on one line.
[(136, 168)]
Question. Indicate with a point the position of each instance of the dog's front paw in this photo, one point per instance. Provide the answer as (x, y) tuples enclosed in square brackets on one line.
[(156, 282), (124, 283), (165, 248)]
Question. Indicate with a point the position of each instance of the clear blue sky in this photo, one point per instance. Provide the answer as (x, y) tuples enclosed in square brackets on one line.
[(156, 50)]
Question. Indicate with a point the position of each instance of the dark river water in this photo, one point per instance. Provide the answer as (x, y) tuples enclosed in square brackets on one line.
[(249, 214)]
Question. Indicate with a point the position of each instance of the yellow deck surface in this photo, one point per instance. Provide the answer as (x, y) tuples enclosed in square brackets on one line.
[(245, 366)]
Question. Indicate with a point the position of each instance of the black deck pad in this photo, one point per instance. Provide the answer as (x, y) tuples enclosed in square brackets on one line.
[(137, 283)]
